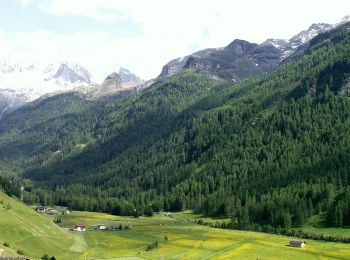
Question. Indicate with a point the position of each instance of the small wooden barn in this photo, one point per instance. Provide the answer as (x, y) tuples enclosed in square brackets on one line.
[(297, 243)]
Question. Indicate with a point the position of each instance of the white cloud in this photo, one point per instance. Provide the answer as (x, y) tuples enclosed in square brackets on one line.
[(5, 44), (25, 3), (173, 28), (100, 10)]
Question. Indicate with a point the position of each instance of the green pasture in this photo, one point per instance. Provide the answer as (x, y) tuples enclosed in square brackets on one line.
[(22, 228), (187, 240)]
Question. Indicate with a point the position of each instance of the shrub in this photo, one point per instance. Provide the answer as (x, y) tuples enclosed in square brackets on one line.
[(20, 252), (152, 246), (6, 244), (200, 222)]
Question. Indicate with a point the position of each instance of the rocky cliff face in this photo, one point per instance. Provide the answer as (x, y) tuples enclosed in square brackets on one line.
[(238, 60)]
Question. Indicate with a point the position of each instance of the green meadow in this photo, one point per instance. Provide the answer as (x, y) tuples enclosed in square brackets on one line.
[(178, 237), (187, 240)]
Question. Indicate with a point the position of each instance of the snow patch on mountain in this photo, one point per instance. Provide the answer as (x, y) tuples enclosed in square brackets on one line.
[(287, 47), (35, 79), (25, 81)]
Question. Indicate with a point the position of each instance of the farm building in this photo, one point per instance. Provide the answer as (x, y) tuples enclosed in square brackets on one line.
[(52, 211), (297, 243), (40, 209), (102, 226), (79, 227)]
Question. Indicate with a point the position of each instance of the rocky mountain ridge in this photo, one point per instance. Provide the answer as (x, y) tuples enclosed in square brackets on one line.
[(241, 59)]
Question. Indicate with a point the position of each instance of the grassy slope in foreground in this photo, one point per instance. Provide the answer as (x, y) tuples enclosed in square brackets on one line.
[(31, 232), (187, 240)]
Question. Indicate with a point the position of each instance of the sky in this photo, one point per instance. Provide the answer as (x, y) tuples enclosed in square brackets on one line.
[(143, 35)]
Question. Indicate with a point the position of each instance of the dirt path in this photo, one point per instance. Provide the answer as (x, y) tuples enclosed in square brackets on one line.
[(80, 243)]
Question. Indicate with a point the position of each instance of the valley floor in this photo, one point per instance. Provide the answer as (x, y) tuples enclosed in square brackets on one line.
[(167, 236), (186, 240)]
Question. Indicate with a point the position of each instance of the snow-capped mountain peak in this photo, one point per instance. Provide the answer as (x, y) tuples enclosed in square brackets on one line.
[(71, 74), (22, 82), (287, 47), (305, 36)]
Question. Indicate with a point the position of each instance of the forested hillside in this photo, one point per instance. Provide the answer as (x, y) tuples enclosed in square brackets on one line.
[(270, 151)]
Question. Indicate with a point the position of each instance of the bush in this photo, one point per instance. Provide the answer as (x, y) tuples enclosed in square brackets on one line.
[(166, 238), (6, 244), (20, 252), (200, 222), (152, 246), (45, 257)]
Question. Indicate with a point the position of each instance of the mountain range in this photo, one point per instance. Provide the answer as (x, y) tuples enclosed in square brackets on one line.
[(24, 82)]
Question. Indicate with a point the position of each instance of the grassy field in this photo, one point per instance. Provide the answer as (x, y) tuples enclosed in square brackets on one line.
[(187, 240), (36, 235)]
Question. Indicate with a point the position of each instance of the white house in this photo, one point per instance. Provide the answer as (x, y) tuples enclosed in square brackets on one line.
[(79, 227), (102, 226)]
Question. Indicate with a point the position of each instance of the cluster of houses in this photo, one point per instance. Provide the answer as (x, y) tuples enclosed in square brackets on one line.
[(99, 227), (51, 211), (82, 227)]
